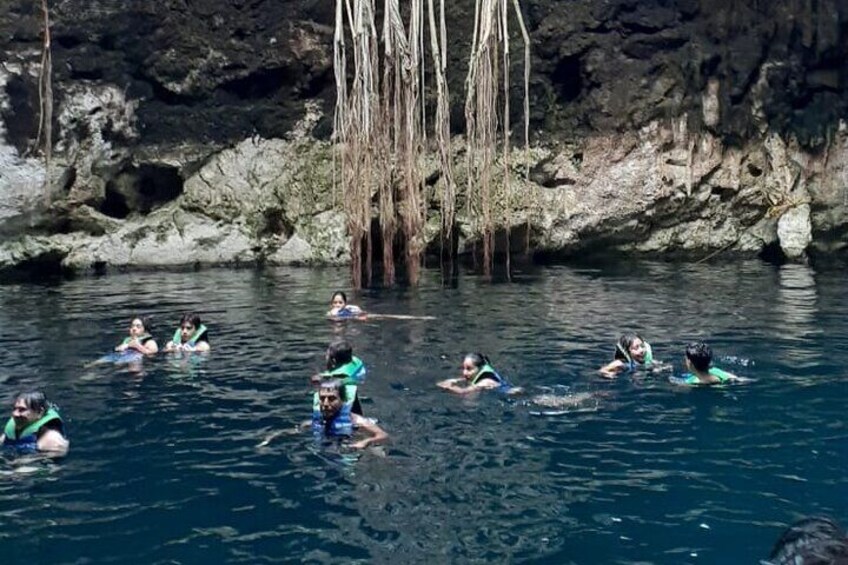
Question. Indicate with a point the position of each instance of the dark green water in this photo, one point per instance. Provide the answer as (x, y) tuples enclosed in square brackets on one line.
[(164, 466)]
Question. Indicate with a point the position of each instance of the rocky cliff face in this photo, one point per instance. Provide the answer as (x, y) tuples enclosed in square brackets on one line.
[(196, 132)]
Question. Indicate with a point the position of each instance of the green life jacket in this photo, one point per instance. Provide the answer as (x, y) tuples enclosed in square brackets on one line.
[(649, 353), (198, 333), (141, 339), (31, 431), (352, 372), (484, 371), (722, 376)]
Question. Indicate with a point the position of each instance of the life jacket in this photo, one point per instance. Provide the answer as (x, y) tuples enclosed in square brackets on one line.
[(488, 372), (28, 438), (340, 426), (351, 374), (692, 379), (631, 364), (347, 312), (192, 341), (141, 339)]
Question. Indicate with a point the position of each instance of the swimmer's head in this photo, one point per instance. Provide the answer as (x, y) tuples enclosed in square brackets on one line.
[(29, 407), (139, 326), (811, 541), (699, 355), (188, 325), (472, 363), (631, 347), (339, 353), (331, 397), (339, 300)]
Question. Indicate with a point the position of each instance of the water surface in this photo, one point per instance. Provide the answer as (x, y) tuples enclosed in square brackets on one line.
[(164, 466)]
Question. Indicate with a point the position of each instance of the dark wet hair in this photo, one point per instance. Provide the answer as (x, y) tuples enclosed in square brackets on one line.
[(146, 321), (622, 348), (339, 293), (34, 400), (700, 355), (336, 385), (477, 358), (811, 541), (191, 318), (339, 353)]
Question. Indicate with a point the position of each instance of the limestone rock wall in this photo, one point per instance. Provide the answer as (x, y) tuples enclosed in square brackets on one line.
[(197, 132)]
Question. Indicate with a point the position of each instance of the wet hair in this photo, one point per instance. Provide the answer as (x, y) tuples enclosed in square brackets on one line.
[(622, 348), (339, 293), (339, 353), (190, 318), (146, 321), (811, 541), (337, 386), (34, 400), (700, 355), (477, 358)]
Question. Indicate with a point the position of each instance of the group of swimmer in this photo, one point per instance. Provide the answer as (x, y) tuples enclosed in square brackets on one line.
[(36, 425), (191, 336)]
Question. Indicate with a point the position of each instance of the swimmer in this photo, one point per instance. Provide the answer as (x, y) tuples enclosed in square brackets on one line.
[(139, 339), (334, 418), (816, 540), (192, 335), (698, 358), (631, 352), (478, 374), (342, 364), (340, 309), (35, 425)]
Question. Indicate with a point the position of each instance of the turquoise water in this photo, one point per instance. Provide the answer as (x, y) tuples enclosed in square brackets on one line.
[(164, 466)]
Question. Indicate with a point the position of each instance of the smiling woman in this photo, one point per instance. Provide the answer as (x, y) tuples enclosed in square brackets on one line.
[(35, 425)]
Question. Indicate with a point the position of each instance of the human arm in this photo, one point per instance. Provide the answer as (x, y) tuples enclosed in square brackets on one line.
[(288, 431), (611, 370), (201, 346), (377, 433), (53, 442), (452, 385), (149, 347)]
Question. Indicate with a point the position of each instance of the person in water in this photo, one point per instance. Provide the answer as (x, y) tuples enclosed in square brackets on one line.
[(35, 425), (698, 359), (815, 540), (342, 364), (477, 374), (335, 418), (192, 335), (340, 309), (631, 353), (139, 339)]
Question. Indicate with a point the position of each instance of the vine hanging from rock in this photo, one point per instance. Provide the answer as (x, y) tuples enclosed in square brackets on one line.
[(45, 101), (380, 127)]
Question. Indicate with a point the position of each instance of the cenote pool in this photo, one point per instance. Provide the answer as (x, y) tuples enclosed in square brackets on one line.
[(164, 465)]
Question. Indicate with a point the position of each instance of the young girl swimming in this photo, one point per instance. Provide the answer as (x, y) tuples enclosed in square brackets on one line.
[(340, 309), (631, 352), (139, 339), (478, 374)]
